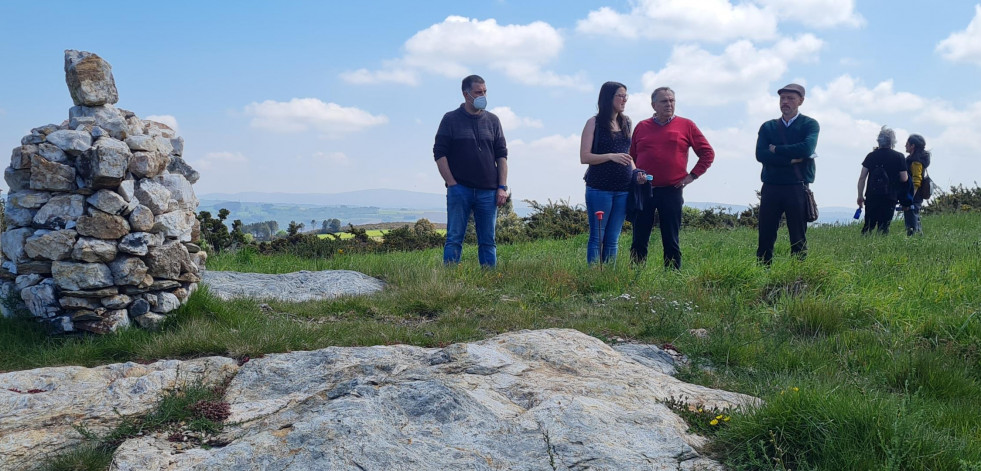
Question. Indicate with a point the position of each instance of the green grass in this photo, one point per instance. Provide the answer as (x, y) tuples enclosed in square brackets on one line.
[(881, 335)]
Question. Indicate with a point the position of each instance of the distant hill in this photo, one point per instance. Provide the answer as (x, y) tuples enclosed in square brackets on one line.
[(366, 198), (381, 205), (283, 213)]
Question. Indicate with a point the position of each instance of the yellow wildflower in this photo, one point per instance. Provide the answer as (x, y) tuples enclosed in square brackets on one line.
[(795, 388), (714, 422), (718, 417), (726, 419)]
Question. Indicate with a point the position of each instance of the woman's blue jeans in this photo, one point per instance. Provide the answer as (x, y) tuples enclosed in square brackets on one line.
[(614, 207), (461, 201)]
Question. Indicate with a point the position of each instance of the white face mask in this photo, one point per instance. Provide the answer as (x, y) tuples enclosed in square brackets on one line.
[(479, 102)]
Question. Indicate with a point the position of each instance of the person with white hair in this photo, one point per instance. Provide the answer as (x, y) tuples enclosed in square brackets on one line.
[(882, 183)]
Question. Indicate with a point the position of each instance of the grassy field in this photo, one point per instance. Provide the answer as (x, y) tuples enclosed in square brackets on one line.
[(375, 234), (867, 355)]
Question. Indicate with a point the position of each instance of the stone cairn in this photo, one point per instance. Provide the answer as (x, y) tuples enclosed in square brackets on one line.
[(101, 227)]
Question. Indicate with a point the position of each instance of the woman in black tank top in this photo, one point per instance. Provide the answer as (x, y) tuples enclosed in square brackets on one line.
[(604, 146)]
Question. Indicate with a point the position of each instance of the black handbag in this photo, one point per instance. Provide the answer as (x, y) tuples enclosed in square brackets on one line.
[(810, 206)]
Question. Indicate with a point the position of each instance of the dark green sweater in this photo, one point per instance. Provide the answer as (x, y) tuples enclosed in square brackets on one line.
[(795, 142)]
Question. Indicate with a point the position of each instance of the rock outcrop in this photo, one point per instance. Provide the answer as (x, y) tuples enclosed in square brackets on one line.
[(39, 408), (290, 287), (551, 399), (91, 201)]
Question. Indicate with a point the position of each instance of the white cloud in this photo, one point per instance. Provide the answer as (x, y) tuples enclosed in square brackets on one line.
[(964, 46), (166, 119), (847, 93), (740, 72), (458, 45), (716, 20), (816, 13), (334, 158), (546, 169), (683, 20), (392, 75), (303, 114), (510, 120), (220, 160)]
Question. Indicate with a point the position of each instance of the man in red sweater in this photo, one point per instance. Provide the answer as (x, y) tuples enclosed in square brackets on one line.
[(659, 148)]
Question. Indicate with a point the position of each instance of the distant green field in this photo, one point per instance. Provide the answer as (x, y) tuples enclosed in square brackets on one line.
[(373, 233)]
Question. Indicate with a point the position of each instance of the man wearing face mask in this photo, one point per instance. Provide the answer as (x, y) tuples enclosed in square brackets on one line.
[(471, 155)]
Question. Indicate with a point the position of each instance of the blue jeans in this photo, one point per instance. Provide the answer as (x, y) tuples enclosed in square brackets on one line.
[(912, 217), (614, 207), (460, 202)]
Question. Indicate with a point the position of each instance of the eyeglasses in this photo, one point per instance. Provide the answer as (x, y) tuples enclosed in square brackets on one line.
[(620, 96)]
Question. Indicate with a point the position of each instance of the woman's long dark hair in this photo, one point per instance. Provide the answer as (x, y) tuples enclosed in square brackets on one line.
[(605, 106)]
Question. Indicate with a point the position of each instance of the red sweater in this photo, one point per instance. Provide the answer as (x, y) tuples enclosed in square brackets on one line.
[(662, 151)]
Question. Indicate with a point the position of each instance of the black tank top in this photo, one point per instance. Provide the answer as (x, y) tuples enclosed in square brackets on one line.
[(609, 176)]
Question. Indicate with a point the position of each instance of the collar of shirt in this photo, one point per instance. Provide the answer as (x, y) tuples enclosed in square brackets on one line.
[(788, 123), (664, 123)]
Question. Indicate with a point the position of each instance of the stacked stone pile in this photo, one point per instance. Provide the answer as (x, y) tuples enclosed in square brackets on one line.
[(101, 225)]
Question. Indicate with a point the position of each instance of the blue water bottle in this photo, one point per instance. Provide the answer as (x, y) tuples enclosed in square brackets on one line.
[(858, 213), (650, 181)]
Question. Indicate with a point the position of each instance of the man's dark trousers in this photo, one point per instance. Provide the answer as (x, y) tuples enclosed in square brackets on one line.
[(776, 200), (667, 201)]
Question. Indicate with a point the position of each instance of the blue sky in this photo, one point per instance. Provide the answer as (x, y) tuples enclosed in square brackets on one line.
[(337, 96)]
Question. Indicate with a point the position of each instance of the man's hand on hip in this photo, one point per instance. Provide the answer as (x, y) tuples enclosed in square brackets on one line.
[(685, 181)]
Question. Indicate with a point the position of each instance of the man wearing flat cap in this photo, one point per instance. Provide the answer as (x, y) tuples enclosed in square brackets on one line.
[(785, 146)]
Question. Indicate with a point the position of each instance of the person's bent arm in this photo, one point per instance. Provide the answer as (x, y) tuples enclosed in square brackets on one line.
[(586, 155), (763, 153), (704, 151), (444, 171), (805, 148), (861, 186), (904, 176)]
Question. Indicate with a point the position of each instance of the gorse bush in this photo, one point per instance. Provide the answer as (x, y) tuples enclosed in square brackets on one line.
[(421, 236), (718, 218), (959, 198), (215, 233), (555, 220)]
